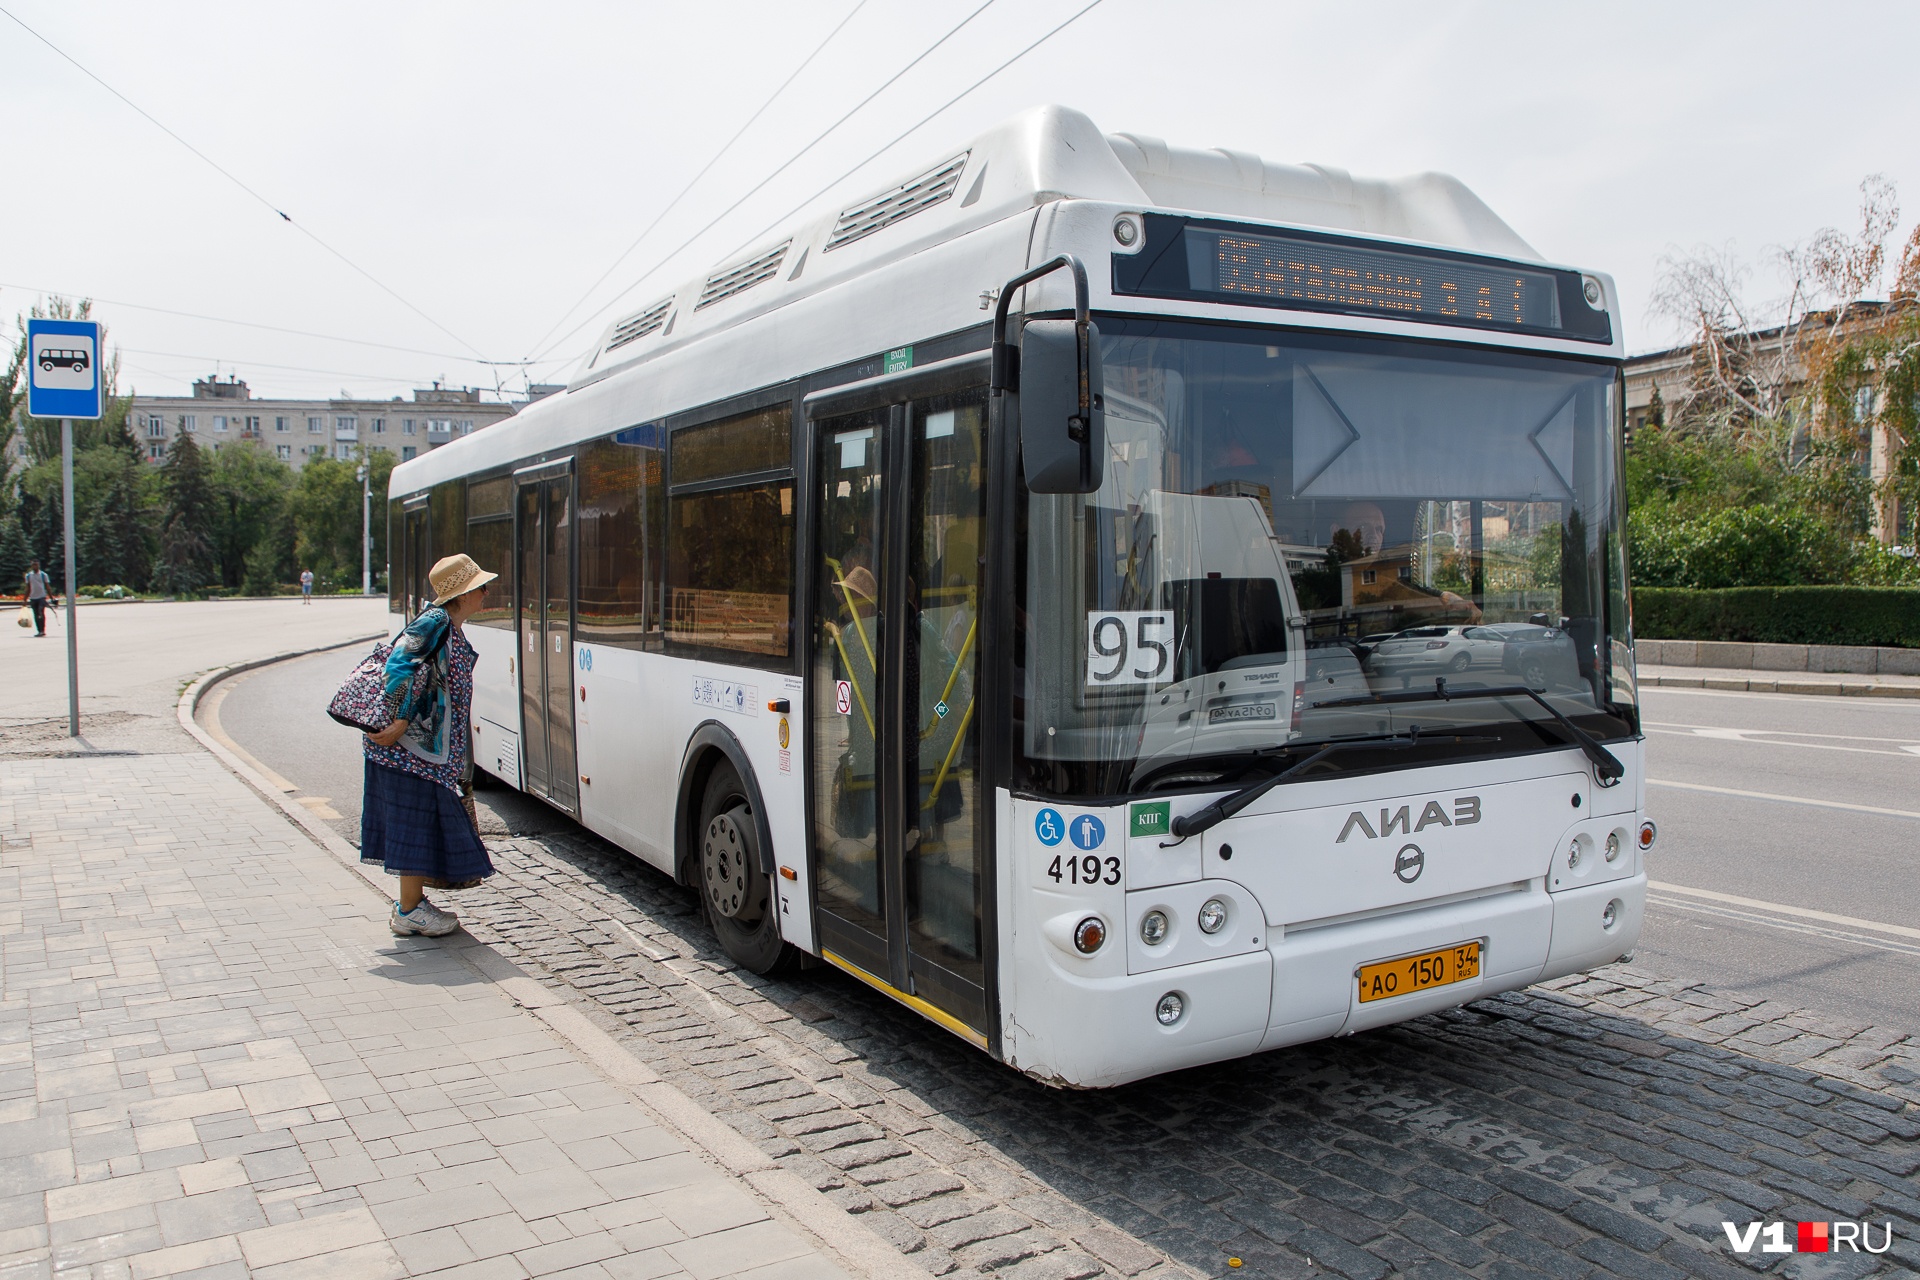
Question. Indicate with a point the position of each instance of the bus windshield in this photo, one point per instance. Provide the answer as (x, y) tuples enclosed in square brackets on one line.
[(1290, 524)]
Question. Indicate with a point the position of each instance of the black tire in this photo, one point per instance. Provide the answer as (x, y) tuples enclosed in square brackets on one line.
[(1461, 661), (1533, 673), (736, 895)]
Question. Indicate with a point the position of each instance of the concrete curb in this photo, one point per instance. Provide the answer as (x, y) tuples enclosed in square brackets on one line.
[(1828, 688), (857, 1248)]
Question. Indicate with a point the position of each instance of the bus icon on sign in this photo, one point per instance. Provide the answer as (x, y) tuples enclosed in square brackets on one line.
[(52, 358), (63, 361)]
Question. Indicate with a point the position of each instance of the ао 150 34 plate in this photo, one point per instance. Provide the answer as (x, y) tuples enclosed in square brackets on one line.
[(1386, 978)]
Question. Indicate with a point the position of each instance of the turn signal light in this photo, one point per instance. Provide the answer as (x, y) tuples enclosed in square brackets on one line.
[(1089, 934), (1647, 833)]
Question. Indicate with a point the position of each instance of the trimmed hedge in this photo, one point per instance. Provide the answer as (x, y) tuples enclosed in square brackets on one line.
[(1781, 615)]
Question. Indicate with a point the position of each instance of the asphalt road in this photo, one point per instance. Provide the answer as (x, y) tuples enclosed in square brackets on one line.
[(1791, 842), (1590, 1129), (1804, 802)]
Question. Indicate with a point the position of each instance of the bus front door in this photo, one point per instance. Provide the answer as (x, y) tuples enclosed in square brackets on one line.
[(543, 552), (900, 835), (413, 558)]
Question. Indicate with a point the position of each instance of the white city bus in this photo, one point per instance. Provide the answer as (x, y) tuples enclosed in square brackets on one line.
[(1135, 606)]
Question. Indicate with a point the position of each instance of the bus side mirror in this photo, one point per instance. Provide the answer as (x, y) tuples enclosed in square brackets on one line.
[(1063, 423)]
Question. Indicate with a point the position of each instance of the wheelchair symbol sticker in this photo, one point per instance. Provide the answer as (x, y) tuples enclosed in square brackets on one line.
[(1049, 826), (1088, 831)]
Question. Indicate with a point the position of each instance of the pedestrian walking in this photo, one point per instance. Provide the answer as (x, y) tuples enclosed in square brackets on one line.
[(306, 586), (38, 597), (417, 819)]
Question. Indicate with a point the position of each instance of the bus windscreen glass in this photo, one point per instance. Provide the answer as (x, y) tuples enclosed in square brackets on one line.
[(1288, 521)]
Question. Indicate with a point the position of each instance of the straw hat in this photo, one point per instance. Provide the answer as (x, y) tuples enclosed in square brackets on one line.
[(860, 582), (455, 576)]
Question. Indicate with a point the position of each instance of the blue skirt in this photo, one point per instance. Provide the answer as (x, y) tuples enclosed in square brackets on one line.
[(414, 827)]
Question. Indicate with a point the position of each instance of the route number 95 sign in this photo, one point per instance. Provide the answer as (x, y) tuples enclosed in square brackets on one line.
[(1129, 648)]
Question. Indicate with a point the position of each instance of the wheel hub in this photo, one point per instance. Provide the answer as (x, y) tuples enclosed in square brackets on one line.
[(723, 865)]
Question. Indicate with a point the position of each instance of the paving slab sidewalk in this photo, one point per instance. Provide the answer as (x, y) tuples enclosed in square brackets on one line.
[(216, 1061)]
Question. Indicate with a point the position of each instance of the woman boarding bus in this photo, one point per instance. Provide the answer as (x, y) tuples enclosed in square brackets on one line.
[(1134, 606)]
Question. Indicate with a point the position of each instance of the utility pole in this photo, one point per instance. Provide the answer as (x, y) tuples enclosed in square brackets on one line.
[(366, 527), (73, 642)]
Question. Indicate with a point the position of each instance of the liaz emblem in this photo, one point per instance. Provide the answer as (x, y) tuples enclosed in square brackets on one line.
[(1466, 811)]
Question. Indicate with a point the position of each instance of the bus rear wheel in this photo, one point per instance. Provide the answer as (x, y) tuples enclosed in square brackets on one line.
[(736, 895)]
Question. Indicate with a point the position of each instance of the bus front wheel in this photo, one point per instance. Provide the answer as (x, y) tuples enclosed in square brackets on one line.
[(736, 895)]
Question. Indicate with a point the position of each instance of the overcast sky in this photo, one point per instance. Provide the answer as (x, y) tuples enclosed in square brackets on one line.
[(488, 161)]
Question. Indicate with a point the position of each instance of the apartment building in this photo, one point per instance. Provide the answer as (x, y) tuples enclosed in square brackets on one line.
[(224, 414)]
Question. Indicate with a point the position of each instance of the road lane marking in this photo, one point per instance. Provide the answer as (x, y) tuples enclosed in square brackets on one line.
[(319, 807), (1779, 908), (1743, 735), (1856, 700), (1786, 926), (1714, 730), (209, 716), (1768, 795)]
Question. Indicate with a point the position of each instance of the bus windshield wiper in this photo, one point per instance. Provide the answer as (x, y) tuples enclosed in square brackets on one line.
[(1606, 766), (1192, 824)]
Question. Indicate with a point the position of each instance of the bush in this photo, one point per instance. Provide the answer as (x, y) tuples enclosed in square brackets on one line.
[(1781, 615), (1736, 547)]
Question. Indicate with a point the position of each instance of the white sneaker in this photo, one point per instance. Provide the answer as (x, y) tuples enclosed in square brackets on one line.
[(425, 920)]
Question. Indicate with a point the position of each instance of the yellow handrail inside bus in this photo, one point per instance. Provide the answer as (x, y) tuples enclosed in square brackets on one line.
[(959, 736), (953, 677), (858, 692)]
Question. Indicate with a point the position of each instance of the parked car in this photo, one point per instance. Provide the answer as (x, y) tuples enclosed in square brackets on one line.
[(1422, 651), (1543, 657)]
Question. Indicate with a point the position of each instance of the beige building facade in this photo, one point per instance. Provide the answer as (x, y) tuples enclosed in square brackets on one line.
[(222, 414), (1671, 372)]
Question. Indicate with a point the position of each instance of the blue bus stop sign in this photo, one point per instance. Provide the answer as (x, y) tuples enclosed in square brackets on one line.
[(63, 369)]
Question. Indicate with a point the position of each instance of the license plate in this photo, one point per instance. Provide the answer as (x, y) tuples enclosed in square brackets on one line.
[(1242, 711), (1387, 978)]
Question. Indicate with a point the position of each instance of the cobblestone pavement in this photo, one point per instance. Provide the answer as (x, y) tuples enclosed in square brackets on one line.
[(1602, 1127)]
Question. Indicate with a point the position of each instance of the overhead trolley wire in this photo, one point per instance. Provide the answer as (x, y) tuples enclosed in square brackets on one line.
[(693, 181), (915, 128), (267, 328), (230, 177), (782, 168)]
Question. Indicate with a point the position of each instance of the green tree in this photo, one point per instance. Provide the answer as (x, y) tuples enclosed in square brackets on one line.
[(187, 522), (14, 553), (326, 516), (250, 497), (114, 540)]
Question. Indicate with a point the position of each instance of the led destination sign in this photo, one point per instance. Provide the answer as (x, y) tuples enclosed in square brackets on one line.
[(1184, 258), (1362, 279)]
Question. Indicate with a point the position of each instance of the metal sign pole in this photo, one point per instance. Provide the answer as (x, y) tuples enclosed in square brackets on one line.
[(73, 642), (366, 528)]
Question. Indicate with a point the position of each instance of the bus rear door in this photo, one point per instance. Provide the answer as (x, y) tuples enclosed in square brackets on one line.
[(543, 552)]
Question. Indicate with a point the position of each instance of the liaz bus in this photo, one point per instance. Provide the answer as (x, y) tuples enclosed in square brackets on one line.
[(1135, 606)]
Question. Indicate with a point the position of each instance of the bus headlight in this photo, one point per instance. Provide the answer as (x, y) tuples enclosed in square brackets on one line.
[(1089, 934), (1171, 1008), (1613, 846), (1213, 916), (1153, 928)]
